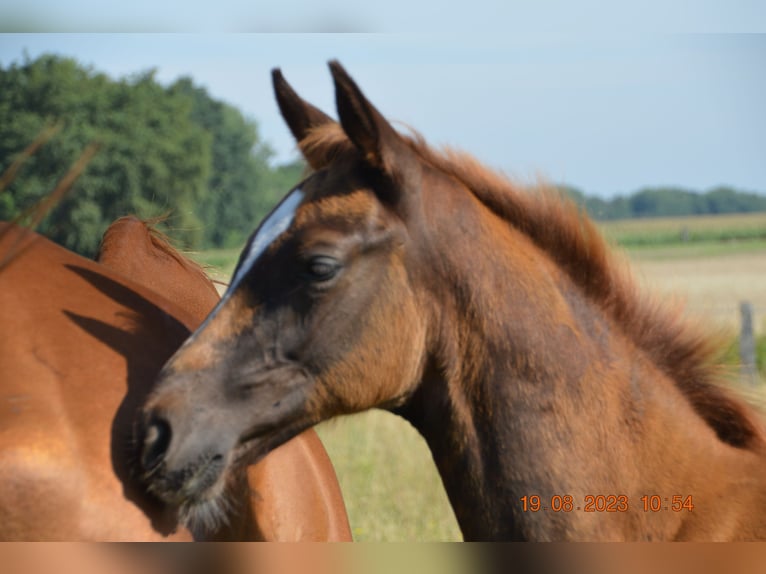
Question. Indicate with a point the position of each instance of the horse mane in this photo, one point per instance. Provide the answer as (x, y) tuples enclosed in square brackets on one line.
[(682, 349), (160, 241)]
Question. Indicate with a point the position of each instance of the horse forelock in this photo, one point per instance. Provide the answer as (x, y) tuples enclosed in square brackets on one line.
[(683, 349), (328, 143)]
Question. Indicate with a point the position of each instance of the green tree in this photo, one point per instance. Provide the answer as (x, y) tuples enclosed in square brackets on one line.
[(728, 200), (279, 181), (154, 158), (651, 202), (242, 186), (239, 166)]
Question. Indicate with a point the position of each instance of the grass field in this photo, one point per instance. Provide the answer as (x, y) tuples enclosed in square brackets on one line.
[(391, 487), (687, 230)]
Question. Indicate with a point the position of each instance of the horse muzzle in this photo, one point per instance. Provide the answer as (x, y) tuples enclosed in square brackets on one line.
[(181, 467)]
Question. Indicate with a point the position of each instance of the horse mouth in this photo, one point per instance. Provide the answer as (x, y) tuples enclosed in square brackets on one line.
[(204, 497), (187, 485), (195, 494), (208, 483), (254, 445)]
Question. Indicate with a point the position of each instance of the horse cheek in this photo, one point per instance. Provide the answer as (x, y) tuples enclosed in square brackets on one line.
[(384, 363)]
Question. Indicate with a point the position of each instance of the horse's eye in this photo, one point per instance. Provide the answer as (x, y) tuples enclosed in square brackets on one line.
[(322, 268)]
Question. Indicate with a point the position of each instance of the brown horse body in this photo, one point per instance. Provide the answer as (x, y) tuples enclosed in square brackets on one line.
[(491, 317), (82, 343), (136, 250)]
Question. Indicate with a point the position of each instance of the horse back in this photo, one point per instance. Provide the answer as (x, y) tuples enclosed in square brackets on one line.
[(73, 360), (136, 250), (83, 343)]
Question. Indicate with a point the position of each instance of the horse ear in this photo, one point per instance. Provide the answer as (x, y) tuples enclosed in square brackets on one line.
[(301, 117), (366, 127)]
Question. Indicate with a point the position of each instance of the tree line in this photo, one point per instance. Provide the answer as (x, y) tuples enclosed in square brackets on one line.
[(668, 202), (174, 150), (164, 151)]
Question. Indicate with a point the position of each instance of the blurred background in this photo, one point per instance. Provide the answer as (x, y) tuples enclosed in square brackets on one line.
[(657, 133)]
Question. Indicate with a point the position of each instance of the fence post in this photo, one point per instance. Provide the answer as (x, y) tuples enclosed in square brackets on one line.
[(747, 344)]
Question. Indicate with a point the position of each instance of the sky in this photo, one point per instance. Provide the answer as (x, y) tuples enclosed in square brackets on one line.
[(607, 112), (511, 18)]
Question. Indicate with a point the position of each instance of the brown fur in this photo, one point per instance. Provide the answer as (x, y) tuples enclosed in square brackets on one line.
[(685, 350), (493, 318), (206, 354), (82, 343), (138, 249)]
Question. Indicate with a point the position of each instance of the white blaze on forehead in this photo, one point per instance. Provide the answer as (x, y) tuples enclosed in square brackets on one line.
[(271, 228)]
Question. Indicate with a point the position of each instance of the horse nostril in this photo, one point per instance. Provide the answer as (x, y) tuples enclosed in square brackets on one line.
[(156, 443)]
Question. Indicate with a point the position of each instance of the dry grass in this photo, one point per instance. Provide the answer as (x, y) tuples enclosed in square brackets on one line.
[(712, 286)]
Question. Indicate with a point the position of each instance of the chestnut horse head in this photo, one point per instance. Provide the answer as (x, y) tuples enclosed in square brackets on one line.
[(492, 317)]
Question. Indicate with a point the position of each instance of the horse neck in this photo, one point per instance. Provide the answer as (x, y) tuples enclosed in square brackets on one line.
[(530, 388)]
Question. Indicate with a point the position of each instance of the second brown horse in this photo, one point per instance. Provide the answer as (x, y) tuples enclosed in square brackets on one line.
[(81, 344)]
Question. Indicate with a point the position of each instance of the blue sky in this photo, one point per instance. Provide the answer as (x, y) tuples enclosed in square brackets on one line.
[(509, 18), (606, 112)]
